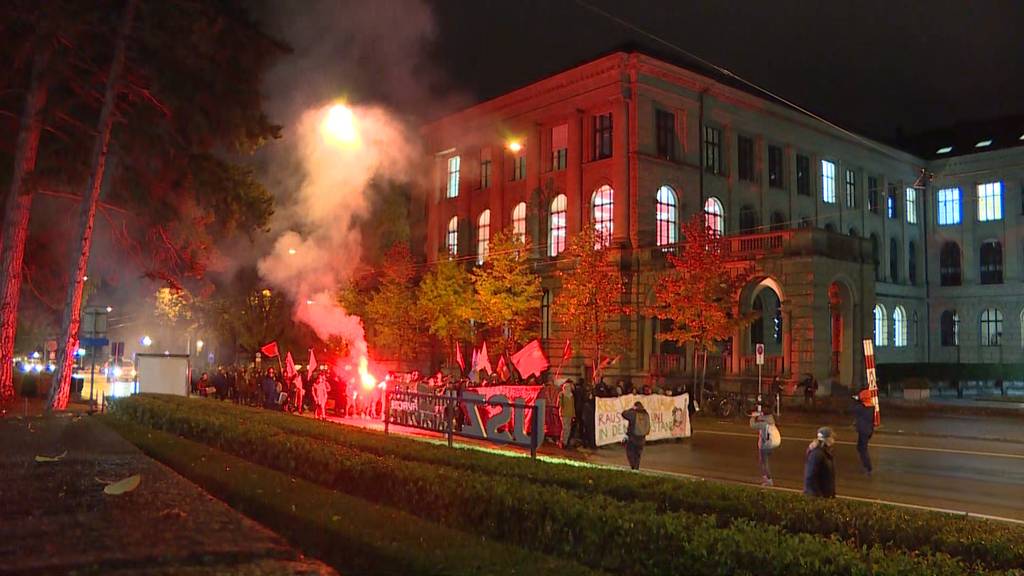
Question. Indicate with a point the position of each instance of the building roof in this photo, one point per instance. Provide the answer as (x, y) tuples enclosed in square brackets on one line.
[(965, 138)]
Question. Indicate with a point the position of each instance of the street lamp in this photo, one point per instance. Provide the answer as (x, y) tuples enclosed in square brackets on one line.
[(110, 309), (147, 341), (291, 251), (199, 346), (515, 145)]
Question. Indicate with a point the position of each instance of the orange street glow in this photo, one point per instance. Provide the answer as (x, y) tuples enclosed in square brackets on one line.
[(515, 145), (339, 126)]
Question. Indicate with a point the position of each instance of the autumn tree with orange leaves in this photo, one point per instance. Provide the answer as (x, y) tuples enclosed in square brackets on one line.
[(698, 294)]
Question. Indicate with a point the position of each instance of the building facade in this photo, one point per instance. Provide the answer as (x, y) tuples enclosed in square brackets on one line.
[(843, 232)]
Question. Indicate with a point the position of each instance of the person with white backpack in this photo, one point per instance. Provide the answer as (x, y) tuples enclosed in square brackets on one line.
[(768, 439)]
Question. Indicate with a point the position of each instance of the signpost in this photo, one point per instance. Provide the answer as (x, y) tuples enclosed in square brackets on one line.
[(759, 350)]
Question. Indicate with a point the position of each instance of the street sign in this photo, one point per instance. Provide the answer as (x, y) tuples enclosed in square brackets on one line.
[(93, 342), (759, 350)]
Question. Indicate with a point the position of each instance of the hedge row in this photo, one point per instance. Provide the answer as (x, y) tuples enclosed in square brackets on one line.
[(628, 538), (993, 544), (349, 533)]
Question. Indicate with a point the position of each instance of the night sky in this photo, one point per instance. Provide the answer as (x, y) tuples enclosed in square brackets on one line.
[(878, 67)]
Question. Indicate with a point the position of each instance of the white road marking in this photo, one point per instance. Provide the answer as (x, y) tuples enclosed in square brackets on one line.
[(894, 446)]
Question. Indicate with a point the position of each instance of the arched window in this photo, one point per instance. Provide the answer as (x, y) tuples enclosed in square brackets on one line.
[(714, 216), (949, 264), (912, 263), (949, 326), (992, 262), (666, 216), (453, 237), (603, 204), (556, 228), (894, 261), (876, 256), (483, 236), (991, 327), (899, 327), (881, 326), (545, 314), (519, 222), (778, 221), (748, 219)]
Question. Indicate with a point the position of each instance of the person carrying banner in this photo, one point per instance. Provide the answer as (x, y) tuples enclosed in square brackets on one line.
[(768, 439), (864, 423), (637, 429), (819, 468), (567, 407)]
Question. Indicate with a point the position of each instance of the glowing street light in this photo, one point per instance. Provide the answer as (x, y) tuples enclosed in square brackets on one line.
[(147, 341), (515, 146), (110, 309), (309, 302), (339, 126), (199, 345), (291, 251)]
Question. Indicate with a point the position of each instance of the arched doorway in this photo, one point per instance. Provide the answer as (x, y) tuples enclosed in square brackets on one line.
[(841, 334), (763, 300)]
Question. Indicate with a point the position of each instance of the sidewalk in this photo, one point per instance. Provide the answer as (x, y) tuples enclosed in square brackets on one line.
[(55, 518)]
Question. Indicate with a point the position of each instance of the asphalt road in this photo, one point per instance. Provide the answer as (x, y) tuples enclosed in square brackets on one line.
[(971, 475)]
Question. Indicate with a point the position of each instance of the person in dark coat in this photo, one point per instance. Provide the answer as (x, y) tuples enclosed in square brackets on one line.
[(635, 438), (819, 468), (864, 423), (268, 385)]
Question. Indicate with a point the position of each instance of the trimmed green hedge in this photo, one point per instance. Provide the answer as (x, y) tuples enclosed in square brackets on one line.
[(992, 544), (631, 538), (351, 534)]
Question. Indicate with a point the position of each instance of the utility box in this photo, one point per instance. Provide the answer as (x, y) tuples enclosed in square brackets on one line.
[(162, 374)]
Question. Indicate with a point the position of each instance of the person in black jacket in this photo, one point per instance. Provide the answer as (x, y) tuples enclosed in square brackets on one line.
[(638, 426), (819, 469), (864, 423)]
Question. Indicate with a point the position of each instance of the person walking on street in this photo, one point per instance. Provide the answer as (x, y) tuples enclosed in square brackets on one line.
[(567, 406), (768, 439), (320, 390), (637, 428), (810, 390), (864, 423), (819, 468)]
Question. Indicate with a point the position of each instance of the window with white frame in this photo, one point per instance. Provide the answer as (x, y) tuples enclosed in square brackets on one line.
[(991, 327), (949, 206), (453, 177), (714, 216), (899, 327), (851, 188), (828, 181), (519, 222), (990, 201), (603, 208), (666, 216), (881, 326), (556, 227), (483, 236), (453, 237), (911, 201)]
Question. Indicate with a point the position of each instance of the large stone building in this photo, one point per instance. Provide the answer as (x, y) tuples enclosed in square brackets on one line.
[(850, 239)]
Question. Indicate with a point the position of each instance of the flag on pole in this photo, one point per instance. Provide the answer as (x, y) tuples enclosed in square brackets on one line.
[(289, 365), (502, 369), (602, 365), (567, 351), (483, 361), (869, 364), (458, 357), (530, 360), (270, 350), (312, 362)]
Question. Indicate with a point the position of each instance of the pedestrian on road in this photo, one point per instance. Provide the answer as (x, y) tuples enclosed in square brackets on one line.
[(864, 423), (567, 406), (637, 428), (268, 385), (320, 390), (819, 468), (768, 439), (810, 390)]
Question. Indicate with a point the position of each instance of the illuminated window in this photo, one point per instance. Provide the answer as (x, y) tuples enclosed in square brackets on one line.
[(851, 188), (828, 182), (949, 264), (899, 327), (602, 136), (991, 327), (519, 222), (949, 206), (712, 150), (556, 229), (992, 262), (990, 201), (949, 326), (666, 216), (714, 217), (453, 237), (453, 177), (603, 207), (483, 236), (559, 146), (911, 201), (881, 326), (891, 209)]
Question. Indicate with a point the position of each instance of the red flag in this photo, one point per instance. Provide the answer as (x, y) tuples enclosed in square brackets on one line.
[(270, 350), (312, 362), (530, 360), (567, 352), (458, 357), (502, 370), (289, 365), (483, 362)]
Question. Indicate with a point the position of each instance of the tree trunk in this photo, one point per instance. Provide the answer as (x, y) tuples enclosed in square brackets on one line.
[(16, 214), (60, 388)]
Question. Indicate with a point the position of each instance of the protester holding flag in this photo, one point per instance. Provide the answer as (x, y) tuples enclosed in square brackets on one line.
[(864, 423)]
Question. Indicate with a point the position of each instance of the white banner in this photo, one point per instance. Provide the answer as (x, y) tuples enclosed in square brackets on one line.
[(670, 417)]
